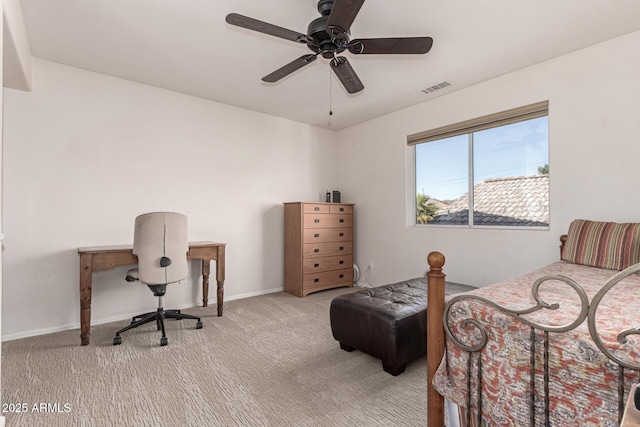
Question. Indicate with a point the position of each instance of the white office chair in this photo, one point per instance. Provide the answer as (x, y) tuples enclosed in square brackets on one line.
[(161, 244)]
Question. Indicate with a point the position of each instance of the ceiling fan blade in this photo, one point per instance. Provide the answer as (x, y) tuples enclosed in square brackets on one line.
[(346, 74), (264, 27), (400, 45), (289, 68), (343, 13)]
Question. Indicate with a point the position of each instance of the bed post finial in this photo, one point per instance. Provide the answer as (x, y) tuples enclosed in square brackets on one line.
[(435, 336), (435, 260)]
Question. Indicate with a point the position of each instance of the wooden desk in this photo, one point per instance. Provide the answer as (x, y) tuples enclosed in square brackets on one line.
[(102, 258)]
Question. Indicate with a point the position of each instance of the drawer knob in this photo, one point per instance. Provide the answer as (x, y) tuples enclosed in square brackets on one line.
[(317, 221), (316, 280), (316, 208), (341, 209), (316, 265), (341, 276), (316, 235), (341, 220), (342, 248), (341, 234), (316, 250), (341, 262)]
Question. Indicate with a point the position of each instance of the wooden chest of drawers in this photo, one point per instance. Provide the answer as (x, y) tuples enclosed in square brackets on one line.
[(318, 247)]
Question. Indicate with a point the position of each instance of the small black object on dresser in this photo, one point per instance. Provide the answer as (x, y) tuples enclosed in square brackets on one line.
[(388, 322)]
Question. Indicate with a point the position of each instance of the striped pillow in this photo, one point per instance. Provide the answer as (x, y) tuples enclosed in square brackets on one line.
[(607, 245)]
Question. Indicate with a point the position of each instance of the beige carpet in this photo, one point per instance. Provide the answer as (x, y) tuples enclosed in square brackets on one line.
[(270, 361)]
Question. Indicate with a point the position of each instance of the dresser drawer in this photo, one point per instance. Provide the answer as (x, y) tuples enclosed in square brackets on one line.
[(314, 250), (312, 208), (318, 235), (317, 265), (328, 220), (327, 278), (341, 209)]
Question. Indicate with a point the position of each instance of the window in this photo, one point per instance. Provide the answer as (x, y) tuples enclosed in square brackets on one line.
[(496, 167)]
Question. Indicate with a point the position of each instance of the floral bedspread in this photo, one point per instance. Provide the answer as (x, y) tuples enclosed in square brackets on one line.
[(583, 381)]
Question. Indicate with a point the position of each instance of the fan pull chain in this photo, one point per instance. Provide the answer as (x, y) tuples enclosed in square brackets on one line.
[(330, 101), (330, 94)]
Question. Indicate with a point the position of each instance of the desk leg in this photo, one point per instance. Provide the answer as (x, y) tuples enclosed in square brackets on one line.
[(206, 270), (86, 271), (220, 271)]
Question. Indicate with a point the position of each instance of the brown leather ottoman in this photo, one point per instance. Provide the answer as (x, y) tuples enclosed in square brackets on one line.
[(388, 322)]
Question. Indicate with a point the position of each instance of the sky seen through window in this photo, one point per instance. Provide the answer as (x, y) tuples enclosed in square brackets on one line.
[(518, 149)]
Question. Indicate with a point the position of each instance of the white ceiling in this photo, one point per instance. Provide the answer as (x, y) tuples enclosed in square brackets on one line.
[(186, 46)]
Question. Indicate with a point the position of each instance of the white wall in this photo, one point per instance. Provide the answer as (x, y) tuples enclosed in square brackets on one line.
[(85, 153), (594, 128)]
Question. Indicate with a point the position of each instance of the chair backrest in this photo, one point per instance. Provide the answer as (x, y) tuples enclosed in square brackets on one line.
[(158, 235)]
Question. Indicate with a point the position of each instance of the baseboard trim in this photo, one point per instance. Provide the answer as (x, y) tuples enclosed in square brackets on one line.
[(254, 294), (37, 332)]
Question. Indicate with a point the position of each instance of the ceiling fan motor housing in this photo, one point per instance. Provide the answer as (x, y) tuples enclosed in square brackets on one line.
[(322, 42)]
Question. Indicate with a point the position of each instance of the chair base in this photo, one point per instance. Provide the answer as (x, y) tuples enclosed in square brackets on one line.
[(158, 316)]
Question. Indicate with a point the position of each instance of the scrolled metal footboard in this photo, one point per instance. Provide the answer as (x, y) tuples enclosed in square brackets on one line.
[(477, 337), (622, 336)]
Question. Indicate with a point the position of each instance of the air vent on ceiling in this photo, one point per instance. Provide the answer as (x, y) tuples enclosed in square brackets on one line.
[(436, 87)]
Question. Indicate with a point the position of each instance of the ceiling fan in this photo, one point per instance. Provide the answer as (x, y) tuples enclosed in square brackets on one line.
[(329, 36)]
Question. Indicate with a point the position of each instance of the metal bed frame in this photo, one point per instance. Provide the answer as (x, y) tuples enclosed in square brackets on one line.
[(438, 313)]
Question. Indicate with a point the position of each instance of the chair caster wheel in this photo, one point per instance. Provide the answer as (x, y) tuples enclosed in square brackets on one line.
[(164, 341), (117, 340), (199, 325)]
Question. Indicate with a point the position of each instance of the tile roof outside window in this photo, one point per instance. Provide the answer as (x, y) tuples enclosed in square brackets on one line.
[(517, 201)]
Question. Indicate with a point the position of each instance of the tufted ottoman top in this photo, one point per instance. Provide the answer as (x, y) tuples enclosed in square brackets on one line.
[(397, 300), (400, 299)]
